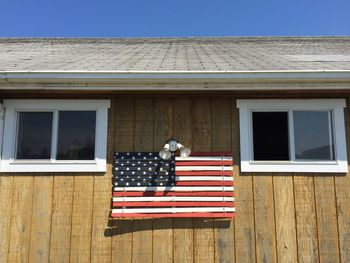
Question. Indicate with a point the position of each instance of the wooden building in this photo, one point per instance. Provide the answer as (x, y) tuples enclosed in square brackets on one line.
[(292, 197)]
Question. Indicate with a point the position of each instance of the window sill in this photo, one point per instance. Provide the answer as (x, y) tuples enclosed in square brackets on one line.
[(295, 167), (47, 166)]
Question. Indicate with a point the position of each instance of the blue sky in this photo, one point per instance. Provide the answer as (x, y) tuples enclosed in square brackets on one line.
[(153, 18)]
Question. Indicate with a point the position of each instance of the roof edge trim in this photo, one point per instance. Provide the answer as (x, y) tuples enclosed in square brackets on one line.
[(197, 77)]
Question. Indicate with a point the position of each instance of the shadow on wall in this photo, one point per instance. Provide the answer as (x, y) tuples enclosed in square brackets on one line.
[(122, 226)]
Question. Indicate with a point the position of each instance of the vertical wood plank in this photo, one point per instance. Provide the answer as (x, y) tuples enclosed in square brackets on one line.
[(41, 219), (221, 141), (285, 218), (123, 141), (6, 195), (101, 245), (342, 186), (61, 222), (21, 218), (203, 229), (327, 224), (244, 202), (265, 232), (183, 231), (162, 227), (142, 236), (82, 218), (305, 218)]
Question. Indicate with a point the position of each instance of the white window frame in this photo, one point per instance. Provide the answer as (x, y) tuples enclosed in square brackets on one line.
[(10, 164), (336, 106)]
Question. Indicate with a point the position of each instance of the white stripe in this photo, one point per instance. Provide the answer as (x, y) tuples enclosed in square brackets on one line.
[(203, 178), (204, 158), (174, 210), (204, 168), (175, 188), (173, 198)]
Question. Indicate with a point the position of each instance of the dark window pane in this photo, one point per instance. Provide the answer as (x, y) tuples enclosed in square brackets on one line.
[(312, 135), (270, 136), (76, 135), (34, 135)]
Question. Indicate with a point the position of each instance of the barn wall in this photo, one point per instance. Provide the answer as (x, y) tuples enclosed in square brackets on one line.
[(280, 218)]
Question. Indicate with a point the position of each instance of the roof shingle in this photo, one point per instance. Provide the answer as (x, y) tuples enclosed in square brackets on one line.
[(180, 54)]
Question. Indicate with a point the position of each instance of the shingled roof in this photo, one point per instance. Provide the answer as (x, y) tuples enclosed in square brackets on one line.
[(175, 54)]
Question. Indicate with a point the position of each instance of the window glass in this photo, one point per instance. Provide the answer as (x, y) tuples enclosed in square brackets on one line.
[(313, 135), (270, 136), (76, 135), (34, 135)]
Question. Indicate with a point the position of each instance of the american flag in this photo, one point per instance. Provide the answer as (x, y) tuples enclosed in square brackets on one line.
[(197, 186)]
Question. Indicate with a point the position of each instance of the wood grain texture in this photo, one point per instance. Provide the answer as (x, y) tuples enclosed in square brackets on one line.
[(142, 242), (41, 219), (6, 201), (265, 232), (124, 112), (183, 231), (82, 218), (319, 232), (221, 141), (21, 218), (306, 218), (203, 240), (100, 244), (342, 186), (244, 202), (61, 222), (162, 227), (285, 218), (327, 225)]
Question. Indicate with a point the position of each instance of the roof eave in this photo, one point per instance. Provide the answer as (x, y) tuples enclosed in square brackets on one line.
[(157, 77)]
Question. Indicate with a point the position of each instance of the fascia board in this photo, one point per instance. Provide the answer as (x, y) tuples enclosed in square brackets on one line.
[(199, 77)]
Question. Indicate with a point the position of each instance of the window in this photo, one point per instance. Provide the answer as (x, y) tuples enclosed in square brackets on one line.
[(55, 136), (292, 135)]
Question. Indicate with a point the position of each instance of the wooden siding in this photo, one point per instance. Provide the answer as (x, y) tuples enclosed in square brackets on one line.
[(280, 218)]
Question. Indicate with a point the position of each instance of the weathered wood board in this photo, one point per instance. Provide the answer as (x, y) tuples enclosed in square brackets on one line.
[(280, 217)]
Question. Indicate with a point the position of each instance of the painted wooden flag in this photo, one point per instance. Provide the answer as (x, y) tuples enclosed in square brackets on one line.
[(198, 186)]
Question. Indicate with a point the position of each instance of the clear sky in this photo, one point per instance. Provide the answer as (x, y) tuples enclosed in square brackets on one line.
[(160, 18)]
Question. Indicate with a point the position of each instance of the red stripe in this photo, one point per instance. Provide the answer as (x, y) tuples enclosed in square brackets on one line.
[(203, 163), (207, 183), (225, 154), (212, 215), (204, 173), (171, 204), (167, 193)]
